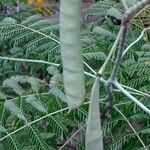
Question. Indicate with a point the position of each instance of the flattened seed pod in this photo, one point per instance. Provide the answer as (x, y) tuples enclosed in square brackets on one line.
[(71, 53), (94, 137)]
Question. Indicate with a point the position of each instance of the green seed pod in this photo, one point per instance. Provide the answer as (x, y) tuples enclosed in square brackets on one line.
[(71, 53), (94, 137)]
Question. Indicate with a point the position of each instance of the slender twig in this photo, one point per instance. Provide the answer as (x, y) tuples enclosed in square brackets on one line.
[(28, 60), (90, 75), (122, 103), (124, 30), (133, 43), (123, 34), (102, 69), (132, 98), (24, 96), (89, 67), (125, 102), (126, 119), (71, 137), (140, 92), (133, 91), (36, 31)]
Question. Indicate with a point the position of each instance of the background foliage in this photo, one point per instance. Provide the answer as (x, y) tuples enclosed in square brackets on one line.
[(29, 91)]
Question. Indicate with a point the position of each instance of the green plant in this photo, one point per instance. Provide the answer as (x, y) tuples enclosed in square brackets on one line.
[(32, 105)]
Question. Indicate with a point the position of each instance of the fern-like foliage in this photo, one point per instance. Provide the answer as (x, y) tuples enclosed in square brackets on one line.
[(37, 90), (137, 69)]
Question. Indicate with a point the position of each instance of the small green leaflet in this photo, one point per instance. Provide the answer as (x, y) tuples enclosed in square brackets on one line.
[(35, 103), (11, 83), (115, 13), (14, 109), (104, 32), (31, 20), (9, 20), (52, 70), (131, 3), (58, 93), (34, 83)]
